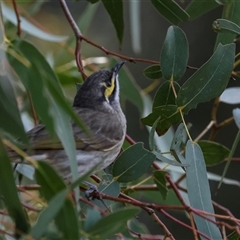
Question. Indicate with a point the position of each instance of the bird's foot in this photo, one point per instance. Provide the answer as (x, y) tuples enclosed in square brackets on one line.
[(92, 192)]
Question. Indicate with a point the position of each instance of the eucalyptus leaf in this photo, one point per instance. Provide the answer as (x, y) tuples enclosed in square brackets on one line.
[(174, 55), (171, 11), (160, 180), (9, 193), (231, 95), (10, 120), (151, 135), (153, 72), (168, 116), (209, 81), (199, 191), (180, 138), (115, 11), (132, 163), (213, 152), (197, 8), (165, 94), (160, 157), (110, 187), (226, 26), (112, 223), (230, 12), (51, 185), (92, 217), (48, 214)]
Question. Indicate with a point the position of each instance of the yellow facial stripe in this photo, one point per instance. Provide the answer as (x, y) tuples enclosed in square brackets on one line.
[(109, 90)]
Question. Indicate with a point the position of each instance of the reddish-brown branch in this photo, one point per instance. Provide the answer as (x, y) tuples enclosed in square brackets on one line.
[(182, 223), (168, 233), (78, 36), (130, 140), (193, 226), (227, 211), (18, 18)]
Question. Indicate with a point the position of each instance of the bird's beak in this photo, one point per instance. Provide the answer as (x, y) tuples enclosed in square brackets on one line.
[(117, 68)]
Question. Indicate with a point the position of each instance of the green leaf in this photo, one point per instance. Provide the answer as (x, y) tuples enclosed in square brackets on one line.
[(230, 12), (151, 135), (178, 144), (92, 217), (48, 214), (112, 223), (171, 11), (199, 191), (153, 72), (209, 81), (165, 95), (10, 120), (174, 55), (10, 193), (226, 26), (168, 116), (136, 226), (160, 180), (115, 11), (110, 187), (28, 27), (198, 8), (128, 87), (160, 157), (51, 184), (213, 152), (132, 163), (179, 139)]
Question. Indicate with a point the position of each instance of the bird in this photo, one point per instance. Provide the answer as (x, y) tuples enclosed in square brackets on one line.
[(98, 106)]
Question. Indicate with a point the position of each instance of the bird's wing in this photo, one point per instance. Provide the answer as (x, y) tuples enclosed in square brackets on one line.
[(106, 131)]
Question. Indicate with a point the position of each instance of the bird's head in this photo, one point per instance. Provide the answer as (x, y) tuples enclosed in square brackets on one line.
[(99, 88)]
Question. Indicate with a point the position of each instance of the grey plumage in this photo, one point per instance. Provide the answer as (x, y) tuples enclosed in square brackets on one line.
[(97, 104)]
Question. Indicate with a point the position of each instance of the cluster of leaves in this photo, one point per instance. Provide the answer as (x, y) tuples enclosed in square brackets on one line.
[(171, 102)]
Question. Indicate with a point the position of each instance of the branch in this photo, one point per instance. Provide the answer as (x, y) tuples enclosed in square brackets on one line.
[(78, 36), (19, 31)]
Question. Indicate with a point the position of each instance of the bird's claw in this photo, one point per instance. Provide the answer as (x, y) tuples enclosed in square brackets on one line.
[(92, 192)]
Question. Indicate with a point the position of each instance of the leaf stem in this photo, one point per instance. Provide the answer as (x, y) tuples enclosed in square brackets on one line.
[(185, 125)]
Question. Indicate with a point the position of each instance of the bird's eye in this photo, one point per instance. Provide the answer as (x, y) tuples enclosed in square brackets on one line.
[(109, 83)]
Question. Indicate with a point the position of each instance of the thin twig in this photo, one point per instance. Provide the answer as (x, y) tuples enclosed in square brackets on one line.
[(227, 211), (168, 233), (193, 226), (78, 36), (208, 127), (19, 31), (183, 224)]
